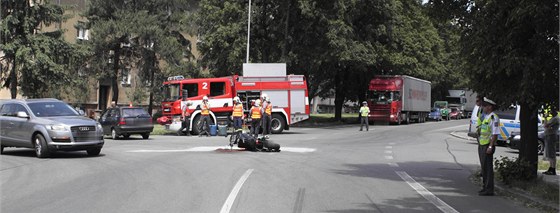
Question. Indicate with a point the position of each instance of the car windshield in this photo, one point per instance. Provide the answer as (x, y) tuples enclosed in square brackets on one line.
[(52, 109), (134, 112), (508, 114), (435, 110), (440, 104)]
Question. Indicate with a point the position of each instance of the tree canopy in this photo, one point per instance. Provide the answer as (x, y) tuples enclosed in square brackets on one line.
[(37, 58)]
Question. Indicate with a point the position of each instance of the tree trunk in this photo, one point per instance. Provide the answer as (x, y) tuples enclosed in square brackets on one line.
[(13, 81), (340, 93), (529, 143)]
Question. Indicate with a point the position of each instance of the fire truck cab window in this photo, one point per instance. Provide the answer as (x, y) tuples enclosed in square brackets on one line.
[(192, 88), (217, 88)]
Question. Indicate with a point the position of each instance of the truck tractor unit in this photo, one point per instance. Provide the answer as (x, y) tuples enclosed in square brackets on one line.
[(399, 99)]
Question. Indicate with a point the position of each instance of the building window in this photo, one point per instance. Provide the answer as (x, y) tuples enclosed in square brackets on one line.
[(82, 31), (125, 77)]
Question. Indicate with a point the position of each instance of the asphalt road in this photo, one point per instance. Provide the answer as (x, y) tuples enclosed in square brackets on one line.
[(408, 168)]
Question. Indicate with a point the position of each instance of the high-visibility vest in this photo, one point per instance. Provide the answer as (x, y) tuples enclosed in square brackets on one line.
[(268, 109), (256, 113), (205, 109), (238, 110), (486, 129), (364, 111)]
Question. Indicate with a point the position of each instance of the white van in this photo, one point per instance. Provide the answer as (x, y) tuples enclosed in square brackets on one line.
[(509, 122)]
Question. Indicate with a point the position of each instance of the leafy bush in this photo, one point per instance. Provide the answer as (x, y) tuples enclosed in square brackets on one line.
[(510, 170)]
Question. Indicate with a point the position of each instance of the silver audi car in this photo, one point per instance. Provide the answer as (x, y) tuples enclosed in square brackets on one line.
[(47, 126)]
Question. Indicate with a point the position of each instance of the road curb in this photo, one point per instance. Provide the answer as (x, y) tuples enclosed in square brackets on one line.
[(454, 134)]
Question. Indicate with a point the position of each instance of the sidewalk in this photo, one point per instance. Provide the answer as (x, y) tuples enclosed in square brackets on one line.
[(551, 179)]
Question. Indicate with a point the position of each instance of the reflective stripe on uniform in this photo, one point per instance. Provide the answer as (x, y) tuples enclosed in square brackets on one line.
[(255, 112), (205, 109), (238, 110)]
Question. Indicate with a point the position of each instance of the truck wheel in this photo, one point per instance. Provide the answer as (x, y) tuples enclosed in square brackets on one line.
[(407, 120), (399, 119), (277, 123), (41, 148), (196, 125)]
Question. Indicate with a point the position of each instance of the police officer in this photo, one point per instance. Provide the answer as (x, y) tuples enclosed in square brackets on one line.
[(489, 130), (237, 114), (255, 114), (205, 117), (364, 112)]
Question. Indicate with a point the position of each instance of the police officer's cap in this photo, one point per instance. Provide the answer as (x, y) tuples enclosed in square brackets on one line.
[(488, 101)]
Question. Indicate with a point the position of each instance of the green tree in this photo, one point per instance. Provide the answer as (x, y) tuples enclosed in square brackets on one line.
[(338, 45), (140, 34), (36, 59), (511, 49)]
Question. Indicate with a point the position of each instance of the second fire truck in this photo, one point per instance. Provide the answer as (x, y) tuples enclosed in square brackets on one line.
[(288, 94)]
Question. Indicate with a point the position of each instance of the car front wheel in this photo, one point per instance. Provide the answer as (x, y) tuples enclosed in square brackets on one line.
[(41, 148)]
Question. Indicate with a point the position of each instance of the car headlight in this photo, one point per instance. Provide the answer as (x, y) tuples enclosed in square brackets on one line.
[(57, 127), (99, 127)]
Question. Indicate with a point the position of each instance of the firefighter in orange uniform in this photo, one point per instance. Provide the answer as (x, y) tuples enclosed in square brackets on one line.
[(237, 114), (205, 117), (267, 115), (255, 114)]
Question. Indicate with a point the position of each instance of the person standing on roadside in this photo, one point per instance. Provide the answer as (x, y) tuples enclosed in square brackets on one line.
[(204, 117), (255, 114), (489, 130), (185, 117), (266, 111), (237, 114), (364, 113), (550, 137)]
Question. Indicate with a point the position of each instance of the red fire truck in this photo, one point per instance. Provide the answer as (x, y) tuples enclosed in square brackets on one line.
[(288, 96)]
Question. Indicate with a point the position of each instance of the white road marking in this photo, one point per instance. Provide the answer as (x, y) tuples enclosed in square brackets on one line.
[(214, 148), (393, 164), (444, 207), (388, 147), (388, 152), (388, 157), (233, 194)]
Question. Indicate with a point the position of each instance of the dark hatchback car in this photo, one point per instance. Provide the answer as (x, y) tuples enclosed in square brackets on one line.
[(47, 126), (126, 121)]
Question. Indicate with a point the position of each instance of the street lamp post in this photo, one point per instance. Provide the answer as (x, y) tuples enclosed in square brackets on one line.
[(248, 31)]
